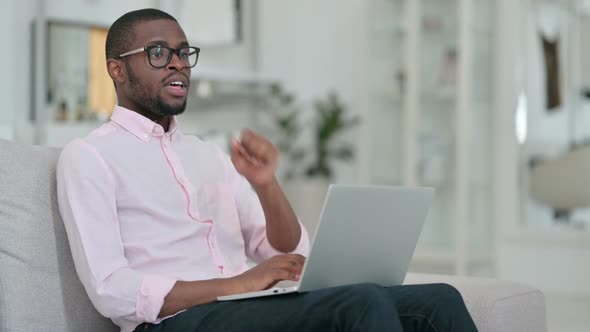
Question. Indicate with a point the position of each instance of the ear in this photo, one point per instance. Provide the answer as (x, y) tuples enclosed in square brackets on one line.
[(117, 71)]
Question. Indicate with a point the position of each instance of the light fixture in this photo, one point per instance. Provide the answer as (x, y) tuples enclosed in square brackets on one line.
[(521, 118)]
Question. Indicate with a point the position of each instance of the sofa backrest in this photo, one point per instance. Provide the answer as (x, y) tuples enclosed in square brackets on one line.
[(39, 287)]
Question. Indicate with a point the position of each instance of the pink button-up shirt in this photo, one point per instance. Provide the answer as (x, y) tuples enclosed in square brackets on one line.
[(144, 208)]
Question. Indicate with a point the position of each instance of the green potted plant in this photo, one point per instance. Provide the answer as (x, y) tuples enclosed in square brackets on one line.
[(330, 121), (308, 152), (285, 115), (312, 156)]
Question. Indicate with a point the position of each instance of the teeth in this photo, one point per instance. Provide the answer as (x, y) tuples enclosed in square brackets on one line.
[(177, 83)]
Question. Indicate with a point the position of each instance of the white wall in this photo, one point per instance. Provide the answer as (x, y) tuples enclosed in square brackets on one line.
[(22, 12), (7, 83), (551, 132), (548, 260), (225, 61), (585, 51), (314, 47), (103, 12), (212, 21), (239, 57)]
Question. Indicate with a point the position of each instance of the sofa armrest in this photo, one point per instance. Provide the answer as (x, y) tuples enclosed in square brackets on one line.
[(495, 305)]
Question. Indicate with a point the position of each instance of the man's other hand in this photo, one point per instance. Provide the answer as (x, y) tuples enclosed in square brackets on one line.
[(269, 272), (256, 158)]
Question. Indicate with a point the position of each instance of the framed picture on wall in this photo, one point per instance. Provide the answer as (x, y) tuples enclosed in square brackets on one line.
[(77, 85)]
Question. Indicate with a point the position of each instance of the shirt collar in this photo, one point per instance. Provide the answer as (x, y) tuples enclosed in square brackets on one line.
[(141, 126)]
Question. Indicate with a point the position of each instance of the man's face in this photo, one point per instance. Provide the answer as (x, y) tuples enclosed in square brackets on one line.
[(156, 90)]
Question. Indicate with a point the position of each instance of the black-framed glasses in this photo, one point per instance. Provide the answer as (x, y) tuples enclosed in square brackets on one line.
[(160, 56)]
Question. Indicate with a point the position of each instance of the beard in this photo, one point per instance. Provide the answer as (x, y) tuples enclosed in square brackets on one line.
[(151, 103), (167, 109)]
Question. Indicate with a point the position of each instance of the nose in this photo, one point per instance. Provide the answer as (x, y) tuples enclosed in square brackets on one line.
[(175, 62)]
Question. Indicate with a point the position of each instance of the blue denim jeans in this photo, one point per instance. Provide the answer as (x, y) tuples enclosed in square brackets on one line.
[(363, 307)]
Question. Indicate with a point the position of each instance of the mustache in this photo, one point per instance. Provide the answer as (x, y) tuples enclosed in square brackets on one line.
[(173, 74)]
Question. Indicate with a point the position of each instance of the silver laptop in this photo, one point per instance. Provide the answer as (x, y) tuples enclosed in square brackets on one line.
[(365, 234)]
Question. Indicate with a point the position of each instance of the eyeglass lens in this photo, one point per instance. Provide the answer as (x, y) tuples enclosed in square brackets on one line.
[(160, 56)]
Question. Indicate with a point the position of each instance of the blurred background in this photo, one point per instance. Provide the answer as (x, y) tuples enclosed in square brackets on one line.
[(488, 101)]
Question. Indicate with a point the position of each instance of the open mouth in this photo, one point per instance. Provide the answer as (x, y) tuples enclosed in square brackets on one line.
[(177, 88), (177, 84)]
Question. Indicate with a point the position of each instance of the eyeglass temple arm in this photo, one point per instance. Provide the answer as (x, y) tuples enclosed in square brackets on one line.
[(132, 52)]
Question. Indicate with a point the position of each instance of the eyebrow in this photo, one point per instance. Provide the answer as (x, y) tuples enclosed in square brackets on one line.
[(164, 43)]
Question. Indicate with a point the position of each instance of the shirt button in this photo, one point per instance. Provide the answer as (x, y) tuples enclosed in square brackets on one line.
[(145, 135)]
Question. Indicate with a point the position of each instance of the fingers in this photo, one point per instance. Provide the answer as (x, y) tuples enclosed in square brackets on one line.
[(242, 161), (293, 259), (258, 147), (273, 270), (296, 259), (292, 263), (289, 268), (299, 258), (255, 157), (278, 275)]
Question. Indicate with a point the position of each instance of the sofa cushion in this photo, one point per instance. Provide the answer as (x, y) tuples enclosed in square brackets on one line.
[(495, 305), (39, 287)]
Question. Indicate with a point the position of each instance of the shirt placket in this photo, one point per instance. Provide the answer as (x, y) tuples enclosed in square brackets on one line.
[(190, 192)]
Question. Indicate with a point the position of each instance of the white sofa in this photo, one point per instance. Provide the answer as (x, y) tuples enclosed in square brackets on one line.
[(40, 291)]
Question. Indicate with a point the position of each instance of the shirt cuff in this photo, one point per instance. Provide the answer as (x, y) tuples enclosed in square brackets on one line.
[(151, 296)]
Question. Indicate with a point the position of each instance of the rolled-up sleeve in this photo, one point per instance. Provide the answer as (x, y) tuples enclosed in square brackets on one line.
[(87, 203)]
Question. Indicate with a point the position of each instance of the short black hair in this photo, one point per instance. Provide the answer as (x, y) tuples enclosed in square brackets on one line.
[(121, 33)]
